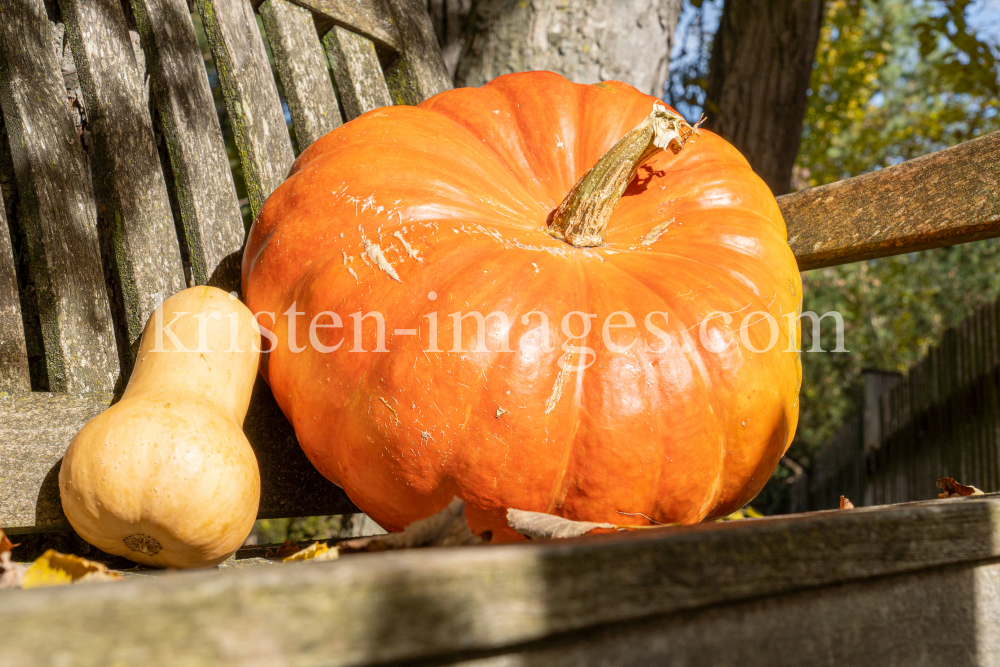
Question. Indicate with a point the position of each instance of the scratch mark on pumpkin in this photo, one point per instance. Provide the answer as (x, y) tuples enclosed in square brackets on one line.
[(409, 249), (557, 389), (657, 231), (468, 412), (386, 403), (500, 411), (375, 255)]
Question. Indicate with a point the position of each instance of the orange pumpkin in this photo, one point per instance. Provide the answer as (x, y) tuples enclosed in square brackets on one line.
[(426, 214)]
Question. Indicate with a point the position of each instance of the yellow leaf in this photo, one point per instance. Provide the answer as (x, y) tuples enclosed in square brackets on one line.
[(314, 551), (56, 569)]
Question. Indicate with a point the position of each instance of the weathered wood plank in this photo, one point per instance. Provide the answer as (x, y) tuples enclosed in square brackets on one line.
[(939, 617), (209, 207), (57, 211), (377, 608), (357, 71), (251, 95), (945, 198), (35, 430), (365, 17), (303, 70), (131, 191), (420, 72), (14, 377)]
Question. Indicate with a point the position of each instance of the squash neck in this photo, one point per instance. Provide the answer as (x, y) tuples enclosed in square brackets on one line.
[(581, 218)]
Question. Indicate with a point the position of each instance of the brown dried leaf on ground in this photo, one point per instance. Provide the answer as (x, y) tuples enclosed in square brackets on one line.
[(11, 573), (288, 548), (953, 489), (5, 543), (55, 569), (315, 551), (447, 528), (846, 504), (538, 525)]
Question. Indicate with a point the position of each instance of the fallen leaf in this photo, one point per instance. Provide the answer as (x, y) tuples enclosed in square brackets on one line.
[(447, 528), (538, 525), (953, 489), (315, 551), (745, 513), (846, 504), (288, 548), (56, 569), (5, 543), (11, 573)]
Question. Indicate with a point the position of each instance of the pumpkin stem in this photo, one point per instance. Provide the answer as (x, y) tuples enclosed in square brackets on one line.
[(583, 215)]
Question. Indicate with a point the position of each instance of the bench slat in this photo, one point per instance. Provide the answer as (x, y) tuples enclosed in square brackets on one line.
[(57, 210), (209, 207), (36, 428), (365, 17), (13, 351), (303, 70), (941, 199), (434, 604), (131, 191), (251, 95), (357, 71), (420, 72)]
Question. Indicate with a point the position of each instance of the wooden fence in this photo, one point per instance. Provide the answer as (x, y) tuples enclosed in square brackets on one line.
[(941, 420)]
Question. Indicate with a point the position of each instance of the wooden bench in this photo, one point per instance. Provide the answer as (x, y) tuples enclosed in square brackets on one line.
[(90, 321), (755, 592)]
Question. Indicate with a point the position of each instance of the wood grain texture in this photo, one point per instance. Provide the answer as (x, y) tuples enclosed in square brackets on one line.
[(131, 191), (303, 70), (448, 18), (57, 211), (365, 17), (421, 71), (945, 198), (36, 428), (251, 95), (14, 376), (435, 603), (209, 207), (938, 617), (357, 72)]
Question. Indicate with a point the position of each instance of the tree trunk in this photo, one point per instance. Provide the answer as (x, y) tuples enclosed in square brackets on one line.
[(448, 17), (761, 63), (584, 40)]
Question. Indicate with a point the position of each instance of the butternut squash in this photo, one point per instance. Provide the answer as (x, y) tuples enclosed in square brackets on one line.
[(166, 477)]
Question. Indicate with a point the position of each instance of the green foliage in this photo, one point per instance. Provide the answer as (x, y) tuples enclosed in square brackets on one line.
[(893, 80), (276, 531)]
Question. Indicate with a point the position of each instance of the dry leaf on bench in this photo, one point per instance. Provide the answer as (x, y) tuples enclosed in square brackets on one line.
[(846, 504), (315, 551), (953, 489), (447, 528), (287, 548), (745, 513), (11, 573), (5, 543), (56, 569), (538, 525)]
